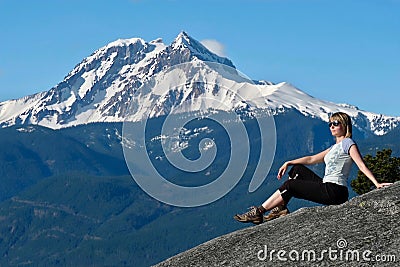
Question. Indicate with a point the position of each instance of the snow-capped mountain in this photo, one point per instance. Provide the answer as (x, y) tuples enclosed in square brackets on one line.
[(114, 83)]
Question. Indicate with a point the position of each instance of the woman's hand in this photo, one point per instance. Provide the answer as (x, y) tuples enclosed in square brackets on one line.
[(380, 185), (282, 170)]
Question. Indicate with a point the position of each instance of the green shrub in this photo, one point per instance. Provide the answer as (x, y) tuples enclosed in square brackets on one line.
[(385, 168)]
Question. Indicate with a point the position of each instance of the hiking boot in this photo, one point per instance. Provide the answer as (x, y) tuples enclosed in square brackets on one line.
[(277, 212), (254, 215)]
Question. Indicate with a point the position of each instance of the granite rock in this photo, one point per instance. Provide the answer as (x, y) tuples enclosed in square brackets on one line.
[(364, 231)]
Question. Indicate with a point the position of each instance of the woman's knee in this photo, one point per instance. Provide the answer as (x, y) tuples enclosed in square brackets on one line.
[(284, 191), (288, 185), (296, 170)]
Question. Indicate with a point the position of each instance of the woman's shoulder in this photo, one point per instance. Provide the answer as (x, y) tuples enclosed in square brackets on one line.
[(347, 143), (348, 140)]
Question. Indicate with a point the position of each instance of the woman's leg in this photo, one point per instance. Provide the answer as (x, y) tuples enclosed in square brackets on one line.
[(305, 184), (280, 197), (299, 179), (301, 172), (273, 201), (316, 191), (302, 183)]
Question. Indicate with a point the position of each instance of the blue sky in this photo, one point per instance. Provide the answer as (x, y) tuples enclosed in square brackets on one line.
[(344, 51)]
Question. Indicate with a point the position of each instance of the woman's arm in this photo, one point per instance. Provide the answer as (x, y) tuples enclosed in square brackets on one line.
[(356, 156), (307, 160)]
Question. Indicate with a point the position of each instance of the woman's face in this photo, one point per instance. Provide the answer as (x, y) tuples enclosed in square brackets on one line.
[(337, 128)]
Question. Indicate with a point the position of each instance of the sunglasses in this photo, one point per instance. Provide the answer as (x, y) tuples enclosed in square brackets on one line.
[(334, 123)]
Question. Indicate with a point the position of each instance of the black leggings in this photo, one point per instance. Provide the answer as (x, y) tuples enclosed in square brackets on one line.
[(305, 184)]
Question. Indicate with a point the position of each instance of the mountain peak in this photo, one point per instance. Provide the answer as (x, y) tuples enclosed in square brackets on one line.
[(185, 42), (183, 38)]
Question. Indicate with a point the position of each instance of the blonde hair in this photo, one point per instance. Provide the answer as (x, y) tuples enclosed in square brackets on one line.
[(345, 120)]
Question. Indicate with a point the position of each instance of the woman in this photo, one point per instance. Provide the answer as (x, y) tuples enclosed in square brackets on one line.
[(305, 184)]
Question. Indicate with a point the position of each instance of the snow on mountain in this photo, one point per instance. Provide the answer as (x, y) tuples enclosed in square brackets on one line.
[(115, 79), (285, 96)]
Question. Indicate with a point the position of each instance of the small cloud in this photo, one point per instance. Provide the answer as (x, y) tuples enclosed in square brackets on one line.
[(214, 46)]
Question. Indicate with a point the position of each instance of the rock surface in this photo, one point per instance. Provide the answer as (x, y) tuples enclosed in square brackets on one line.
[(364, 231)]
